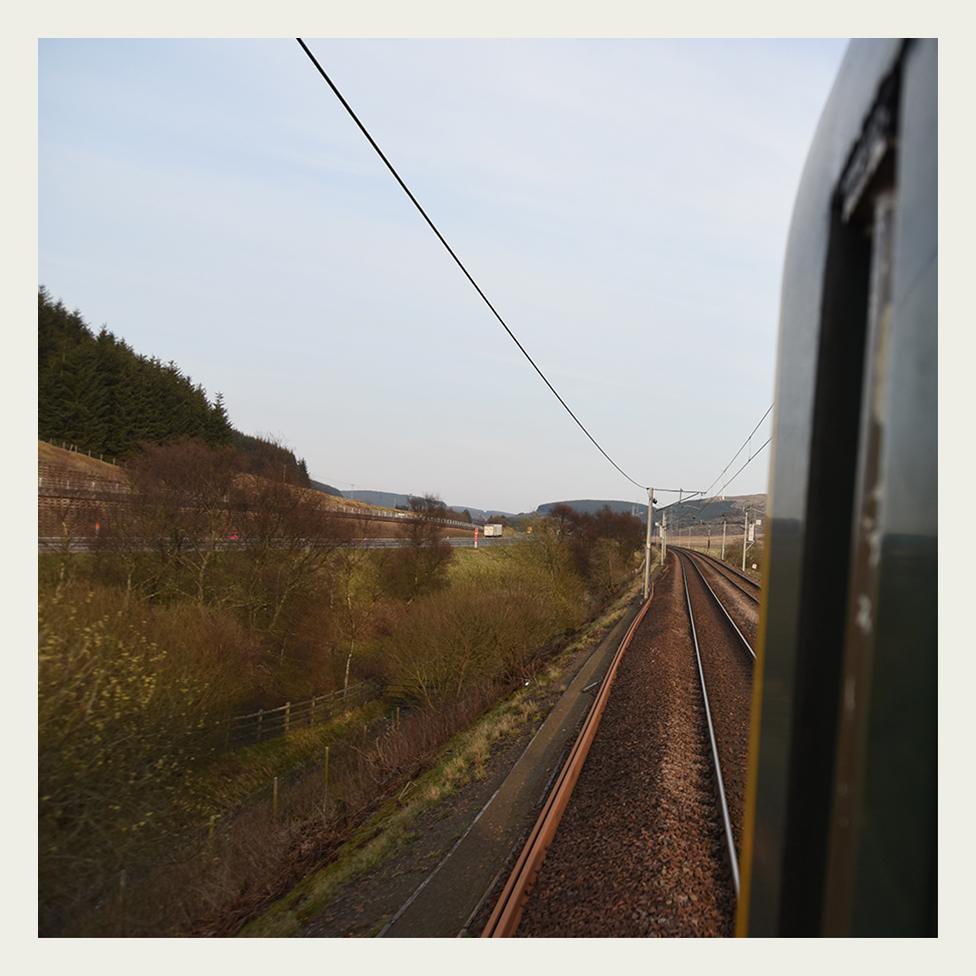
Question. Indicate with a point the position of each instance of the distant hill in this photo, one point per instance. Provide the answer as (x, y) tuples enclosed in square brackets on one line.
[(732, 507), (386, 499), (392, 499), (324, 488), (480, 514), (590, 506)]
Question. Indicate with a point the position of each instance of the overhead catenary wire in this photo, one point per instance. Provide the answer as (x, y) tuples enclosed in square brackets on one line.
[(705, 493), (688, 496), (458, 261), (749, 460), (705, 497)]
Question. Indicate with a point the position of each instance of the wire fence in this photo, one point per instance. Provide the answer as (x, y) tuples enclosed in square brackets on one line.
[(55, 482), (75, 449), (58, 481), (271, 723)]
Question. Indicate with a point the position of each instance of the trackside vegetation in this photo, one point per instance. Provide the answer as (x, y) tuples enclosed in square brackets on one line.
[(213, 593)]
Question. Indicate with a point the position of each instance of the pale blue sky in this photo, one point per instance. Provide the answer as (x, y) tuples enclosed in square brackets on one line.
[(623, 203)]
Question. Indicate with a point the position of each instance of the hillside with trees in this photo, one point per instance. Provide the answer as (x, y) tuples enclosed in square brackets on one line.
[(96, 392)]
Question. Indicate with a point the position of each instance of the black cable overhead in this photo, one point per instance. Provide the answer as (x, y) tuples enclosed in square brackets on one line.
[(734, 456), (705, 496), (744, 466), (458, 261), (681, 501)]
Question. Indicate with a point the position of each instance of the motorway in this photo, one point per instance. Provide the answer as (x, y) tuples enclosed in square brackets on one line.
[(56, 544)]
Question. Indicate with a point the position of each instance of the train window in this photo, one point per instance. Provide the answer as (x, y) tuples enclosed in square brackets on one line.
[(858, 253), (843, 805), (872, 202)]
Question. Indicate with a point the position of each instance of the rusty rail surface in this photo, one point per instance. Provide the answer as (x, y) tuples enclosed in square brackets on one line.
[(720, 794), (507, 912), (717, 602), (721, 566)]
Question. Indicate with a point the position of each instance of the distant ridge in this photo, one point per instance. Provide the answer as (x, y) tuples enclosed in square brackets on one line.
[(731, 508), (323, 487), (393, 499), (679, 514), (590, 506)]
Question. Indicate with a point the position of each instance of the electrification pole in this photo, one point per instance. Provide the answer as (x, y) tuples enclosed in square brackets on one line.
[(745, 537), (723, 538), (664, 537), (647, 542)]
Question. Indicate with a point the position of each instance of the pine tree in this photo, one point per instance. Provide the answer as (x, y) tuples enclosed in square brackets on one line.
[(97, 392), (82, 400), (219, 429)]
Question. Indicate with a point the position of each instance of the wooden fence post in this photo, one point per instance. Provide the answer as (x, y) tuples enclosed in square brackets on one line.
[(325, 776), (274, 799), (121, 903), (287, 716), (260, 721)]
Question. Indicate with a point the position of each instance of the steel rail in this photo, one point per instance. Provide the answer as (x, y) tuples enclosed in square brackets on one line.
[(731, 581), (719, 564), (505, 916), (721, 606), (719, 782)]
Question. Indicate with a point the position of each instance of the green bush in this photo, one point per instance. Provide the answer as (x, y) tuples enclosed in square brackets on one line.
[(134, 655), (498, 614), (121, 689)]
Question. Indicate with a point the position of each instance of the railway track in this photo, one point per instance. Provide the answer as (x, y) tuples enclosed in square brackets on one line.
[(725, 658), (648, 829), (739, 602), (736, 578), (508, 909)]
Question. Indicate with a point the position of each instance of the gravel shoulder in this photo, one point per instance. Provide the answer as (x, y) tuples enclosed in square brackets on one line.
[(430, 874)]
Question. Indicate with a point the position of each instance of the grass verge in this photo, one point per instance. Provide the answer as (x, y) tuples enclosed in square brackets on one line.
[(232, 778), (464, 759)]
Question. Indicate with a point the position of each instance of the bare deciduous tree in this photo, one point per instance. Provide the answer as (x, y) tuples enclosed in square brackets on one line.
[(287, 537), (422, 566), (182, 493)]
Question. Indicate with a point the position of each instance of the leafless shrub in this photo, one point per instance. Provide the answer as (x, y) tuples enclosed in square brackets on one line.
[(421, 567), (215, 589), (214, 881), (481, 630), (115, 709)]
